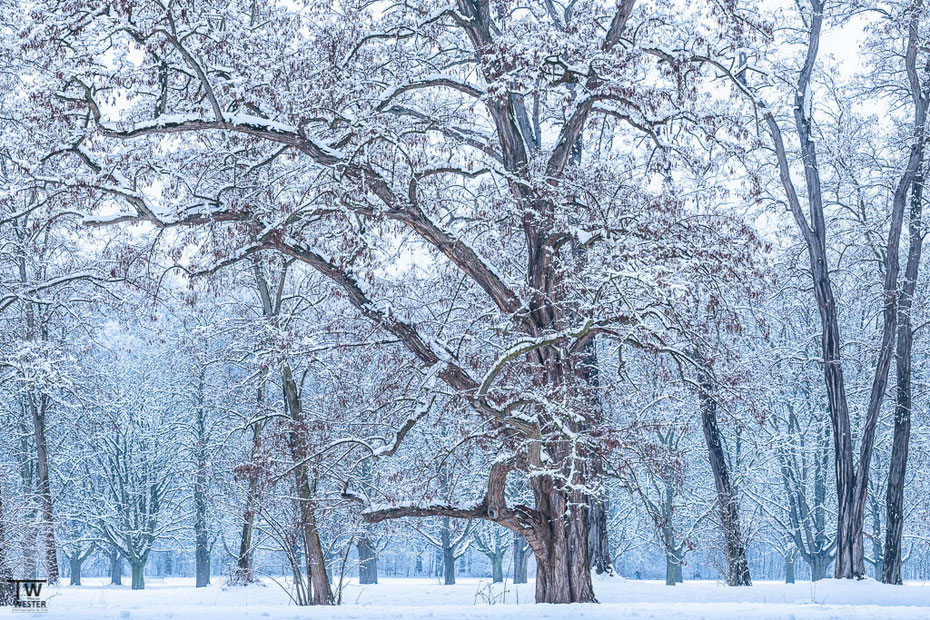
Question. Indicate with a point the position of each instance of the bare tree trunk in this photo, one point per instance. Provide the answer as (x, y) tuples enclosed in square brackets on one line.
[(30, 536), (76, 562), (45, 489), (497, 569), (367, 561), (448, 553), (244, 572), (894, 495), (556, 531), (672, 569), (202, 559), (138, 574), (819, 564), (598, 543), (38, 406), (851, 484), (588, 371), (876, 535), (321, 593), (727, 502), (6, 573), (201, 535), (560, 544), (520, 559), (316, 560), (789, 568), (116, 568)]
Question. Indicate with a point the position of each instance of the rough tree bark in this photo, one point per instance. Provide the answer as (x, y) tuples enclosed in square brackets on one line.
[(727, 501), (557, 533), (894, 496)]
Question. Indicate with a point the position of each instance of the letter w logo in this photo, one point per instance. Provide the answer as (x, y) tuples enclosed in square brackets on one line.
[(33, 588)]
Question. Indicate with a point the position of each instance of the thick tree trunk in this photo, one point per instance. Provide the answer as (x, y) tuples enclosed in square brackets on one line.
[(76, 562), (727, 502), (138, 574), (448, 568), (367, 562), (560, 544), (116, 568), (497, 569), (556, 529), (789, 568), (819, 564), (520, 559), (894, 495)]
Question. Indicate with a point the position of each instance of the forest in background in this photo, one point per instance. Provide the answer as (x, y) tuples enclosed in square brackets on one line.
[(533, 290)]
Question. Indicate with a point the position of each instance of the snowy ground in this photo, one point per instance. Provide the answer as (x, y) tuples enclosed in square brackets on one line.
[(425, 598)]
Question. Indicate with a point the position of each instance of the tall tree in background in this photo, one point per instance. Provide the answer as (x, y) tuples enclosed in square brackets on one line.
[(913, 16), (851, 477)]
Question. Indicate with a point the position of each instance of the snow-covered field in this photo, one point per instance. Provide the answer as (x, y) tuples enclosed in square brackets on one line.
[(473, 598)]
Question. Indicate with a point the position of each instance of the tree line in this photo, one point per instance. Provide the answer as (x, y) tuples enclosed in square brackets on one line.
[(547, 279)]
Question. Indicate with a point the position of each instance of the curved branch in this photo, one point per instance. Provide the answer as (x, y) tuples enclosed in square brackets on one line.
[(429, 82)]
